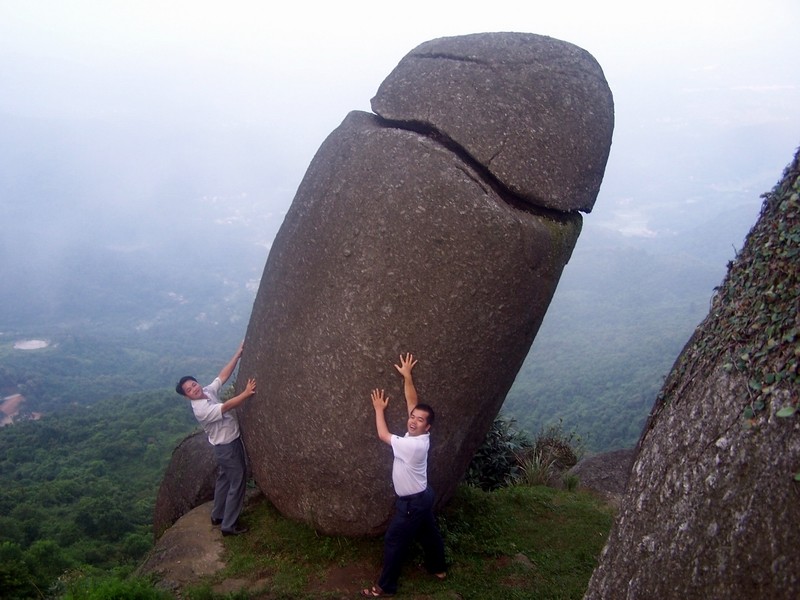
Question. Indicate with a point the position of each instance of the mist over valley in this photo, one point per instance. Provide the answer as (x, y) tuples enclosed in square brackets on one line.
[(141, 284), (148, 157)]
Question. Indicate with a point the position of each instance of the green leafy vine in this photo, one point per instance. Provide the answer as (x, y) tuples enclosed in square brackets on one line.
[(753, 327)]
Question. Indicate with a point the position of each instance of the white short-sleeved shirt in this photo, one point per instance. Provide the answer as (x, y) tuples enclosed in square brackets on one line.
[(410, 468), (221, 428)]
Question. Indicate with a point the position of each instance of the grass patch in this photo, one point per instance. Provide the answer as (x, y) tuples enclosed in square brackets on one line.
[(519, 542), (524, 542)]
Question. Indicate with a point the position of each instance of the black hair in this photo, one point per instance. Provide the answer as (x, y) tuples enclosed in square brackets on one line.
[(427, 408), (184, 379)]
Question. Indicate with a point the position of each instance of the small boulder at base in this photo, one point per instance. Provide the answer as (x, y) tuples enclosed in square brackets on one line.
[(605, 474), (188, 481)]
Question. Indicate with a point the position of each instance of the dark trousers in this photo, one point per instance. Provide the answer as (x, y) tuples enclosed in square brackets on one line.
[(231, 483), (413, 520)]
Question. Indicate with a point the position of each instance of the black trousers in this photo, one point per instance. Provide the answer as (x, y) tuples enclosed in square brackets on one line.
[(413, 520)]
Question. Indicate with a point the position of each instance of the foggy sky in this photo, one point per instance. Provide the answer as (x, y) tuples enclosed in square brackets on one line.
[(131, 119)]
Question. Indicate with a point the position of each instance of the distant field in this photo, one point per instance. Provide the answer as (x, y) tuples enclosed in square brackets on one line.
[(31, 344)]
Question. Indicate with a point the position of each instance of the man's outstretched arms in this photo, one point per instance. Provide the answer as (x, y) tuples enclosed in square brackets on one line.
[(407, 363), (228, 369), (249, 390), (379, 403)]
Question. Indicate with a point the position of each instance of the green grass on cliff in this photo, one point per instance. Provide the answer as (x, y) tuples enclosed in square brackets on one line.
[(517, 542)]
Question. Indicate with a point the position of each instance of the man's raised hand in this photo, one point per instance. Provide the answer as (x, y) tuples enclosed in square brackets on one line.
[(379, 401), (407, 363)]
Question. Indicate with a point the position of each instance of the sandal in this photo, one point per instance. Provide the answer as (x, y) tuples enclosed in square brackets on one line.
[(375, 592)]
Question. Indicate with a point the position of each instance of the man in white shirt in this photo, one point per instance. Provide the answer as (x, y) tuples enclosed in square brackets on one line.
[(413, 518), (220, 423)]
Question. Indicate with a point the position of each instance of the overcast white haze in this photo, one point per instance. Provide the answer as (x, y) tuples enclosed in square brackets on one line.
[(122, 119)]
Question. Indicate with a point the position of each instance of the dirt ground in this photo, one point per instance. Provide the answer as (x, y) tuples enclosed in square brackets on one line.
[(193, 549)]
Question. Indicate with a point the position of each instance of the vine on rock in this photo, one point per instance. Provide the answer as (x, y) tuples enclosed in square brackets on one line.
[(753, 327)]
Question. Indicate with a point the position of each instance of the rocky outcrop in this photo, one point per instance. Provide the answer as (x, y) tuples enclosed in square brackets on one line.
[(606, 473), (711, 509), (437, 237), (188, 551), (188, 481), (532, 110)]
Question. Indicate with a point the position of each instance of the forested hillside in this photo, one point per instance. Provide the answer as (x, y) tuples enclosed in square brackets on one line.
[(90, 360), (623, 310), (78, 488)]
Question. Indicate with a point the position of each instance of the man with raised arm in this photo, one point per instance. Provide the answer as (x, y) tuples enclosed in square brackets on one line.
[(220, 423), (413, 517)]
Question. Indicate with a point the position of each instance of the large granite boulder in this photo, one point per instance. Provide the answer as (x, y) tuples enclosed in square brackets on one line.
[(711, 509), (401, 240), (188, 481)]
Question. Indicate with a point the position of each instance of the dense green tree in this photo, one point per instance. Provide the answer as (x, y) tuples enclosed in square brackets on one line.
[(46, 561), (15, 580)]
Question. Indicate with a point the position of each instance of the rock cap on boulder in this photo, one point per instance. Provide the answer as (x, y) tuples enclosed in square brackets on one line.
[(536, 112)]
